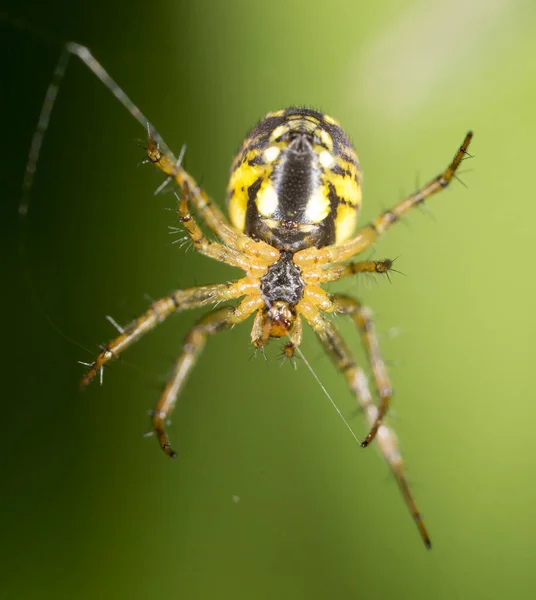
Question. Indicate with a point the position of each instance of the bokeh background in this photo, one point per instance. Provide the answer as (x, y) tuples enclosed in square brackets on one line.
[(270, 496)]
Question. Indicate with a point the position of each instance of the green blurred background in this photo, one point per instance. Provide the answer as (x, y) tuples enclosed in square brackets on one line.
[(270, 496)]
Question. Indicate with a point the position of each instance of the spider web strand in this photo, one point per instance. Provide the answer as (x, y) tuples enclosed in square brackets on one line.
[(328, 395)]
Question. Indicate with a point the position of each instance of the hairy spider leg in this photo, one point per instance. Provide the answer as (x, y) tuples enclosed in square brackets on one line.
[(219, 320), (322, 274), (386, 441), (261, 252), (220, 252), (159, 310), (365, 237), (362, 317)]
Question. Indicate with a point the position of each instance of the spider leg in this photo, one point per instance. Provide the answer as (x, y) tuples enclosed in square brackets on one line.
[(220, 252), (84, 54), (162, 158), (159, 310), (212, 323), (336, 272), (362, 318), (386, 441), (365, 237), (211, 214)]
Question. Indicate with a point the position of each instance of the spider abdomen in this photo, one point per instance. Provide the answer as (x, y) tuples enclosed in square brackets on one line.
[(295, 182)]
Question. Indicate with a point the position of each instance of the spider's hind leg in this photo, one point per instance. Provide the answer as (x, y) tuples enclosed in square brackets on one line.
[(362, 318), (219, 320), (386, 440)]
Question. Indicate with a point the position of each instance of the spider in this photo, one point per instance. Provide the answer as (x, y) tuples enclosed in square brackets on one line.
[(293, 199)]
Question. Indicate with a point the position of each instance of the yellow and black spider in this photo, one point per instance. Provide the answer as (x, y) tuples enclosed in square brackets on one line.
[(293, 199)]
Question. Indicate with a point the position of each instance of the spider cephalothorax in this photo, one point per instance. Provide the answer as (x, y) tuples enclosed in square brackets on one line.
[(293, 199)]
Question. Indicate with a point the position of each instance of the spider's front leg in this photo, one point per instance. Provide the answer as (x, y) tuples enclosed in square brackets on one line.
[(210, 324), (177, 301), (386, 439)]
